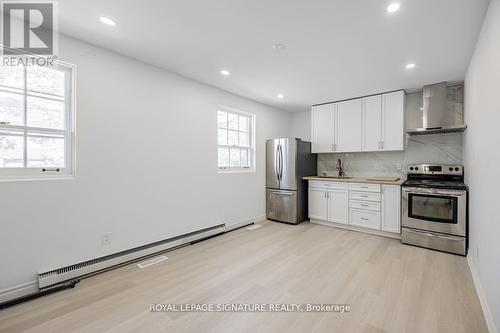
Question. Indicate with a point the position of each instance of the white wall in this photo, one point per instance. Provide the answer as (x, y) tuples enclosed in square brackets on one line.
[(301, 125), (146, 168), (482, 158)]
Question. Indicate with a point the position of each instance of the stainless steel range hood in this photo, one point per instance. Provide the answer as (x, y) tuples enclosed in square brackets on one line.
[(436, 116)]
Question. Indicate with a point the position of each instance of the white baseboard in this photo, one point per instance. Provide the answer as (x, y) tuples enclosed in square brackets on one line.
[(488, 316), (242, 223), (356, 228), (20, 290)]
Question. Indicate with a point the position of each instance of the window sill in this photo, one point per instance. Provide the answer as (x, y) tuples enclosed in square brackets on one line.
[(35, 178), (229, 170)]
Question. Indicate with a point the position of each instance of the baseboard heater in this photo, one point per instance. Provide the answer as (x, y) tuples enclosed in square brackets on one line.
[(53, 278)]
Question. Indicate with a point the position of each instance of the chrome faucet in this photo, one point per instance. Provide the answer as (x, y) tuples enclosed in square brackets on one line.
[(339, 168)]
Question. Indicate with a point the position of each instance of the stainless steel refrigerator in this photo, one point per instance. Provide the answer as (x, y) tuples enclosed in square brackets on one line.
[(287, 161)]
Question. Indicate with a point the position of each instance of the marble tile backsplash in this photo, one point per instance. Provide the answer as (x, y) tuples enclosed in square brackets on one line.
[(439, 149)]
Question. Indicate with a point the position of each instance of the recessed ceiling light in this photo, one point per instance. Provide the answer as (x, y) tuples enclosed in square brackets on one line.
[(107, 21), (393, 7), (410, 66), (225, 72), (280, 96), (278, 47)]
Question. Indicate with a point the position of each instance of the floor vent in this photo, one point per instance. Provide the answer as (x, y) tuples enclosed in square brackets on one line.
[(151, 262), (254, 226), (57, 276)]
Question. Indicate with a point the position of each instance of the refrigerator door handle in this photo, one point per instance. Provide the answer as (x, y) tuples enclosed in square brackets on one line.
[(281, 162), (278, 163), (276, 158)]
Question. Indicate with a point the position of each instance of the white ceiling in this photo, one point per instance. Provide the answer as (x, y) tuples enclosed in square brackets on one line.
[(335, 49)]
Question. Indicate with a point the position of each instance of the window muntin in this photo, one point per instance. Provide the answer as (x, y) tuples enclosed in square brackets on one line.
[(36, 121), (235, 135)]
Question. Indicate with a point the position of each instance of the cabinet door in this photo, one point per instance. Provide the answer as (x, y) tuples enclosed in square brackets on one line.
[(391, 208), (317, 204), (393, 135), (372, 123), (349, 126), (338, 206), (323, 128)]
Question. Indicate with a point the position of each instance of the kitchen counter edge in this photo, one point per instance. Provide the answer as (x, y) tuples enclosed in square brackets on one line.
[(356, 180)]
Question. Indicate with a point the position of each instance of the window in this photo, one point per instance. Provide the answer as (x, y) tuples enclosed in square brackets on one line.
[(36, 121), (236, 132)]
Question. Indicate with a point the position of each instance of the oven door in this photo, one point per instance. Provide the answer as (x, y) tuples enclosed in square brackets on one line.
[(437, 210)]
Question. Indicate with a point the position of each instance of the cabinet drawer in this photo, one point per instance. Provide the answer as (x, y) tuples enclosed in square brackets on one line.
[(365, 196), (329, 185), (366, 205), (365, 219), (364, 187)]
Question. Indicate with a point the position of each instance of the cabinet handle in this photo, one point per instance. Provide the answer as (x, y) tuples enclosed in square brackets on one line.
[(364, 205), (364, 219), (381, 144), (364, 196)]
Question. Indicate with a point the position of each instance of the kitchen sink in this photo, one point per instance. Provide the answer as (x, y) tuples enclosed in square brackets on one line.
[(335, 177)]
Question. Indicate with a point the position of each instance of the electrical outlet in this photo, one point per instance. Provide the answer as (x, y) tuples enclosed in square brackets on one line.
[(106, 238), (399, 166)]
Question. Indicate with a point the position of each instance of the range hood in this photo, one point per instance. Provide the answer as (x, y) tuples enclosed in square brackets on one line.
[(436, 117)]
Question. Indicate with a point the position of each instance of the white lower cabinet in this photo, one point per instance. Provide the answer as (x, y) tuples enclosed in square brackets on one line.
[(318, 203), (370, 206), (391, 211), (338, 206), (364, 218)]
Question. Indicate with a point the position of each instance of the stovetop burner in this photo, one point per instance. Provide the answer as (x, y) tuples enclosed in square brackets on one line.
[(436, 176), (429, 183)]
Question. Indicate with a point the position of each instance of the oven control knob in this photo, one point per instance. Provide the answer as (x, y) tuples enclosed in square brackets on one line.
[(416, 168), (456, 169), (451, 169), (411, 168)]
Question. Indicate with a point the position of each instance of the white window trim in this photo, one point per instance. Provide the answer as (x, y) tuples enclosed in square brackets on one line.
[(69, 171), (253, 151)]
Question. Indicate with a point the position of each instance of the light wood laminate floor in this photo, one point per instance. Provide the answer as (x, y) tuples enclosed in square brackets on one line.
[(391, 288)]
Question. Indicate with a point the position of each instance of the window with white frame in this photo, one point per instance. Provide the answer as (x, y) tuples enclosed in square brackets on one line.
[(236, 132), (36, 120)]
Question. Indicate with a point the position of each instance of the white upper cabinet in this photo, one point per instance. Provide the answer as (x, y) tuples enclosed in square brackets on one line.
[(323, 128), (393, 135), (372, 123), (349, 126)]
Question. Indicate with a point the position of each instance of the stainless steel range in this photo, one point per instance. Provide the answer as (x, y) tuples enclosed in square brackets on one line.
[(434, 208)]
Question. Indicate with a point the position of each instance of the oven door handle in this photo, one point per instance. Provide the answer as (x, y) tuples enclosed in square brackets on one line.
[(435, 192)]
